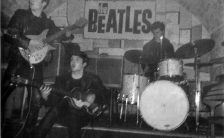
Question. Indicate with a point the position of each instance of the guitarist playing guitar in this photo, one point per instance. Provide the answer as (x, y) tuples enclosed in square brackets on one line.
[(28, 52), (63, 109)]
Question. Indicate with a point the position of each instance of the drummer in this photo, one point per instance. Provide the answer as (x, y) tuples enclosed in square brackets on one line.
[(157, 49)]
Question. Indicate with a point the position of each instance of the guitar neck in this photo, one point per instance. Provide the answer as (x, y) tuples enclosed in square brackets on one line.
[(54, 90), (59, 33)]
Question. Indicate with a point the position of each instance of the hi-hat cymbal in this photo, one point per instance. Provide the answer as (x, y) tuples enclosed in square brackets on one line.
[(219, 60), (188, 50), (199, 64), (135, 56)]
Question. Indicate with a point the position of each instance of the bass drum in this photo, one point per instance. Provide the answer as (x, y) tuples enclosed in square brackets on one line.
[(164, 105)]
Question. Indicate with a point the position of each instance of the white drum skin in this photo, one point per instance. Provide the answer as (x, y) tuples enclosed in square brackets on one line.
[(164, 105)]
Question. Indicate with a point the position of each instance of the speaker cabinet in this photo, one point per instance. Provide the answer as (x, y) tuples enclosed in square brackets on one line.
[(108, 68)]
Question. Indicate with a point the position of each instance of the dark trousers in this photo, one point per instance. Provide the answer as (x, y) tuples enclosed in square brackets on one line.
[(73, 119), (34, 104)]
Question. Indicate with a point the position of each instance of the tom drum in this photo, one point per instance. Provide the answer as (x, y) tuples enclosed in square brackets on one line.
[(133, 85), (170, 67)]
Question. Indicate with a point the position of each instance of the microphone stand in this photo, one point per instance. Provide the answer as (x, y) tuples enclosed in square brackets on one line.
[(197, 89), (161, 47)]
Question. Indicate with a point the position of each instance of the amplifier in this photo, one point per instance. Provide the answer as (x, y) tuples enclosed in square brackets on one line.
[(108, 68)]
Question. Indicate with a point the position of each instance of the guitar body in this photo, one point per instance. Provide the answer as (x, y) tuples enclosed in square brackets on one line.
[(84, 100), (36, 53), (76, 98)]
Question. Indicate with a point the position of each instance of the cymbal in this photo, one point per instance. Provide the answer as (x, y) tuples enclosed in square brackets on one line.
[(187, 50), (199, 64), (217, 60), (135, 56)]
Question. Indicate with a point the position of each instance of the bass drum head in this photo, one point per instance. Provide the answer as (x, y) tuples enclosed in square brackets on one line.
[(164, 105)]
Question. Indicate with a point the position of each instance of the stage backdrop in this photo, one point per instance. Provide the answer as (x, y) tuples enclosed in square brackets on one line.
[(119, 19)]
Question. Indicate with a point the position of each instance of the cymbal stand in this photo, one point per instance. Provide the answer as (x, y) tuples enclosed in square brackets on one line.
[(197, 89), (138, 90), (126, 108)]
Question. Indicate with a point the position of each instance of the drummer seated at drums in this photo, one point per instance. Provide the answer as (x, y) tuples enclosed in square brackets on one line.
[(156, 50)]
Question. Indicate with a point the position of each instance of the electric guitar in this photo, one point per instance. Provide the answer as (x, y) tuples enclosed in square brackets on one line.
[(76, 98), (35, 54)]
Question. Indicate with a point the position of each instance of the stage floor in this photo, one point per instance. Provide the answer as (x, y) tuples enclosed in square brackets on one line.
[(129, 129), (104, 128)]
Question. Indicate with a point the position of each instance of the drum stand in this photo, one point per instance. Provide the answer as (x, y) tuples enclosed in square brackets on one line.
[(138, 95), (197, 89)]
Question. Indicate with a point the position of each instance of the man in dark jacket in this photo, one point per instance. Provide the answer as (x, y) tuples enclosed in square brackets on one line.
[(88, 98), (32, 21), (156, 50)]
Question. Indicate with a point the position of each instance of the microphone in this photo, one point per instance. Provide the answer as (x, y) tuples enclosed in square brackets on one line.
[(161, 37)]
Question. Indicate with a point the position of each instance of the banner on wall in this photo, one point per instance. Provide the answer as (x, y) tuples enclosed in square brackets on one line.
[(119, 19)]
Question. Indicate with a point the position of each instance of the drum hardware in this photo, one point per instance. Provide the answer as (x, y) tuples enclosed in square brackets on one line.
[(122, 105), (126, 107), (195, 50), (217, 60), (199, 64), (188, 50)]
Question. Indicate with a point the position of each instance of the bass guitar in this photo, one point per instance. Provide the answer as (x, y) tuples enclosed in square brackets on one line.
[(76, 98)]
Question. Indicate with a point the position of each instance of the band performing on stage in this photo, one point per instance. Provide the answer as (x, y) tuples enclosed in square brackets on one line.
[(156, 96)]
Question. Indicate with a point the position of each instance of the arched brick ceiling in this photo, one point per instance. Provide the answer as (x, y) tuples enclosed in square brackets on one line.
[(8, 7), (209, 12)]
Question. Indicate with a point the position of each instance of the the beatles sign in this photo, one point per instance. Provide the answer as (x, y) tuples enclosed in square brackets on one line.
[(119, 19)]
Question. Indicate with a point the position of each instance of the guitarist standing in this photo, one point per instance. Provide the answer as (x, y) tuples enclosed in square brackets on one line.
[(27, 22), (86, 90)]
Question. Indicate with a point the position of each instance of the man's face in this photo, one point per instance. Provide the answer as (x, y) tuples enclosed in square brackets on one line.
[(37, 4), (77, 64), (157, 33)]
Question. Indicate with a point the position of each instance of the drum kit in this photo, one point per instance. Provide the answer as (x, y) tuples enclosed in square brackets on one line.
[(163, 104)]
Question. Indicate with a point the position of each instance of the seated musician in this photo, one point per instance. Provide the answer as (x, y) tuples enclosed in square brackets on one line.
[(87, 90), (156, 50)]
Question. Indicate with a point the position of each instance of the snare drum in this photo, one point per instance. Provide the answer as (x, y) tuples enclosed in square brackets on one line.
[(170, 67), (164, 105), (133, 85)]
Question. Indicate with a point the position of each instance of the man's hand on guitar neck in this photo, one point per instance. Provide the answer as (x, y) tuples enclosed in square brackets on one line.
[(45, 91)]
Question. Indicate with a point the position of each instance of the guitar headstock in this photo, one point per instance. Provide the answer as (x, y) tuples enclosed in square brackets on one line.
[(80, 23), (17, 80)]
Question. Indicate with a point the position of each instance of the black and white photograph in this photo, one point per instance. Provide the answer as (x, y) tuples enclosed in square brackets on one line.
[(112, 68)]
